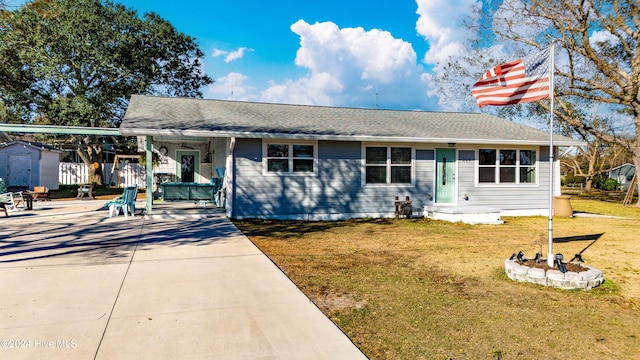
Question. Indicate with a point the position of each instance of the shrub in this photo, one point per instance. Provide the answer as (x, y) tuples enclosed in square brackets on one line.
[(573, 179), (610, 184)]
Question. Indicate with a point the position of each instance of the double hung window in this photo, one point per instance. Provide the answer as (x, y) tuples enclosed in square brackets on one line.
[(388, 165), (291, 158), (506, 166)]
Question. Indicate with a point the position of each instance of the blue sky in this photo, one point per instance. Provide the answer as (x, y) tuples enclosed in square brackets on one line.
[(355, 53)]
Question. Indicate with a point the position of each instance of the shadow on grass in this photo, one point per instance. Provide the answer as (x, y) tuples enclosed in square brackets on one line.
[(605, 196), (287, 229), (590, 237)]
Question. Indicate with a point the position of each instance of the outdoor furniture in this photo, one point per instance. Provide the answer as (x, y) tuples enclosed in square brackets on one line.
[(28, 200), (219, 195), (175, 191), (403, 208), (40, 193), (126, 202), (217, 183), (86, 191), (12, 201)]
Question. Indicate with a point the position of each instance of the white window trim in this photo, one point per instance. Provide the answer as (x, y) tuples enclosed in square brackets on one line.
[(517, 184), (265, 158), (388, 165)]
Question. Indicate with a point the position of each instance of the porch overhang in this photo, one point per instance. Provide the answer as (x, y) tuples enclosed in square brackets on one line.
[(58, 129), (199, 133), (80, 130)]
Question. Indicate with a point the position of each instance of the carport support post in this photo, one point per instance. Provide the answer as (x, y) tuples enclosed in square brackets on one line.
[(148, 147)]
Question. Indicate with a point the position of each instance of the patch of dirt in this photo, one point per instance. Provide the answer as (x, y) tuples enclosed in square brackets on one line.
[(329, 303), (543, 265)]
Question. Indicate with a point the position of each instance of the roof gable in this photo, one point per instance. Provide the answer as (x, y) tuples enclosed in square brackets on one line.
[(147, 115), (32, 145)]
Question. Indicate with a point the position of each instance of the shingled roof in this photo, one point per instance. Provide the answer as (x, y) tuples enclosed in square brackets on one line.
[(162, 116)]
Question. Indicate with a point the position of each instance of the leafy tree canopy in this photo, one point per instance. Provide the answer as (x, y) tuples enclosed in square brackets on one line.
[(77, 62)]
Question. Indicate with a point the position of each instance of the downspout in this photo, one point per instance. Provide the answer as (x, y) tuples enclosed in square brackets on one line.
[(148, 147)]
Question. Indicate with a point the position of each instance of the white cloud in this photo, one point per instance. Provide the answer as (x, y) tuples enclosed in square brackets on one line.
[(603, 36), (231, 87), (318, 89), (235, 55), (230, 55), (440, 22), (218, 52), (352, 67)]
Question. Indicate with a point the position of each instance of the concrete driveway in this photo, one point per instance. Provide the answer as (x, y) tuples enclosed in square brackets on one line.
[(75, 284)]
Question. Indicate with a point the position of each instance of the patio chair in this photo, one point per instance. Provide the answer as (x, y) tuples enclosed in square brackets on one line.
[(86, 190), (126, 202), (12, 201), (218, 195)]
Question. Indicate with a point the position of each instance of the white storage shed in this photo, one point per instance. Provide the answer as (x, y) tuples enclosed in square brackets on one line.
[(24, 165)]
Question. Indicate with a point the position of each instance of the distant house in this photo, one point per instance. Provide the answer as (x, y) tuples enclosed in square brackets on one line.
[(624, 174), (322, 163), (24, 165)]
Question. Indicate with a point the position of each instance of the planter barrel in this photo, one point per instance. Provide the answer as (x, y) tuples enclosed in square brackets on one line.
[(562, 206)]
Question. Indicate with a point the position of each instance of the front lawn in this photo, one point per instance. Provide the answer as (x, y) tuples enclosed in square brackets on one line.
[(421, 289)]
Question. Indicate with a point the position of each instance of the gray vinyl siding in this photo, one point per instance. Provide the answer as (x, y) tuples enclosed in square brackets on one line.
[(504, 197), (425, 178), (624, 174), (335, 192)]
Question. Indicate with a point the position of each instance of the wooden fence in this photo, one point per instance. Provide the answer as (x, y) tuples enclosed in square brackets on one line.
[(125, 175)]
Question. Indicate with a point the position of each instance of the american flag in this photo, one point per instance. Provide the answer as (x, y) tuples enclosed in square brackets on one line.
[(519, 81)]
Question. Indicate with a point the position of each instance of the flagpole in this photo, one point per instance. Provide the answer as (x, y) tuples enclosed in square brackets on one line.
[(550, 257)]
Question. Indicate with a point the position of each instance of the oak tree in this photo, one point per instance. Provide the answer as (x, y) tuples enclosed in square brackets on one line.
[(597, 60), (597, 63), (77, 62)]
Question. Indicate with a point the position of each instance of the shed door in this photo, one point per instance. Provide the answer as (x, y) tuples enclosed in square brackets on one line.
[(445, 176), (19, 170)]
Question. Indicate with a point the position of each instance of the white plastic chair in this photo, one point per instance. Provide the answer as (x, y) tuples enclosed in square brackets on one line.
[(13, 201)]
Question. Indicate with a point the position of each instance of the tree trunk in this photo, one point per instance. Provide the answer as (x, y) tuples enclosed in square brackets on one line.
[(92, 158), (636, 163)]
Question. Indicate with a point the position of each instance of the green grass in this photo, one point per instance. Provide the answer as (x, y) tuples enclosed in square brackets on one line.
[(421, 289), (71, 191)]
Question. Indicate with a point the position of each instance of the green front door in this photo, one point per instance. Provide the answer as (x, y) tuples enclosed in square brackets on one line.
[(187, 166), (445, 176)]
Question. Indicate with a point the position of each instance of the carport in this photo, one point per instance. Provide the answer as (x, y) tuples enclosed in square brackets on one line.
[(79, 130)]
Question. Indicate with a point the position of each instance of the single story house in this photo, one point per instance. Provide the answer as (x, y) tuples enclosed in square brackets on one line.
[(624, 174), (328, 163), (24, 165)]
